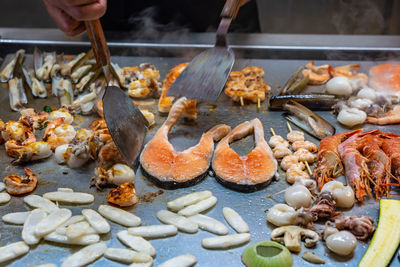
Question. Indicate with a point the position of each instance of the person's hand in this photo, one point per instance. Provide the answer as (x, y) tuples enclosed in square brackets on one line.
[(70, 14)]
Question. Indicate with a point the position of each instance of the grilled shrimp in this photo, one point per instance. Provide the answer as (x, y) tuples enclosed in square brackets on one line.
[(276, 140), (329, 164), (60, 135), (378, 163), (317, 74), (15, 130), (310, 146), (391, 146), (294, 136), (305, 155), (124, 195), (30, 152), (61, 113), (288, 161), (281, 151), (17, 185), (32, 119), (295, 173), (356, 168)]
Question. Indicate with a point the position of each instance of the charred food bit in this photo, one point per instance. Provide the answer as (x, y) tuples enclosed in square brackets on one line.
[(124, 195)]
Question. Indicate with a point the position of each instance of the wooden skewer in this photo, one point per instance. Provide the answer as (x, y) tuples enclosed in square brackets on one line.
[(289, 127), (272, 131), (258, 103), (241, 101), (277, 193), (308, 168)]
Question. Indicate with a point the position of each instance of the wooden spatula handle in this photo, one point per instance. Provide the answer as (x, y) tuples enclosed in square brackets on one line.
[(231, 8), (98, 40)]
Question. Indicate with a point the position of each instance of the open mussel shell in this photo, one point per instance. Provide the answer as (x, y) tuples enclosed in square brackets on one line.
[(291, 81), (81, 72), (8, 72), (314, 102), (309, 121)]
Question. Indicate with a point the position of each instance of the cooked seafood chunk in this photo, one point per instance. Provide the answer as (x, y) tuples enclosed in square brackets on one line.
[(44, 64), (249, 172), (165, 102), (281, 151), (305, 155), (117, 174), (296, 173), (276, 140), (31, 152), (124, 195), (294, 136), (247, 85), (171, 168), (310, 146), (17, 185)]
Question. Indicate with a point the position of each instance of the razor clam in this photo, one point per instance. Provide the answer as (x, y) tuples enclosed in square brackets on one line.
[(314, 102), (88, 80), (117, 73), (37, 87), (43, 63), (66, 69), (64, 92), (16, 94), (83, 82), (9, 70), (84, 103), (85, 60), (80, 73), (314, 124)]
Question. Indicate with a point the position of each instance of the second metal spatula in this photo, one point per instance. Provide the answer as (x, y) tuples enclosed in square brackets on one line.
[(124, 120), (206, 75)]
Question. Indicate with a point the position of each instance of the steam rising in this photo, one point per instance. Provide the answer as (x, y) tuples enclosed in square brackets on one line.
[(357, 17)]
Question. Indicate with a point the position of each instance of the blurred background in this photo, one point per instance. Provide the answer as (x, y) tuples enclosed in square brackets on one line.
[(265, 16)]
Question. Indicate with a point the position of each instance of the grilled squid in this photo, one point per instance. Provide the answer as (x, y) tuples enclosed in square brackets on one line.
[(343, 195), (117, 174), (298, 196), (31, 152), (342, 243), (75, 154)]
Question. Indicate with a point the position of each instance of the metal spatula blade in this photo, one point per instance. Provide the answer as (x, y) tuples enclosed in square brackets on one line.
[(126, 123), (205, 76), (124, 120)]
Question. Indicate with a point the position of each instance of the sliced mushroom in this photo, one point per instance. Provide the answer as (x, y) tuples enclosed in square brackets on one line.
[(292, 236)]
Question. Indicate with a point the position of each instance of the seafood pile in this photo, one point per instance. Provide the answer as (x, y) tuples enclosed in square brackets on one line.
[(368, 160), (247, 84), (76, 81)]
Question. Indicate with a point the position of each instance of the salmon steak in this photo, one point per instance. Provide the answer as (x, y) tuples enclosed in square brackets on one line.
[(245, 173), (385, 77), (169, 168)]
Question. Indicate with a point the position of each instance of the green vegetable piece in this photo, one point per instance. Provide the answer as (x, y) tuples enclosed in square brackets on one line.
[(267, 254), (386, 238), (47, 109)]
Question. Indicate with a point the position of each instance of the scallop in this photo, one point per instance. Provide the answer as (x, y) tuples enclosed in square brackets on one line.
[(367, 93), (339, 86), (298, 196), (342, 243), (351, 117)]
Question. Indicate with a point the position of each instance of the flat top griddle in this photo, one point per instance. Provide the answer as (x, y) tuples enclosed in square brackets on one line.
[(252, 206)]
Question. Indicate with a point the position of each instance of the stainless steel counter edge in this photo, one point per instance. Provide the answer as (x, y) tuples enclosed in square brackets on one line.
[(205, 40)]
